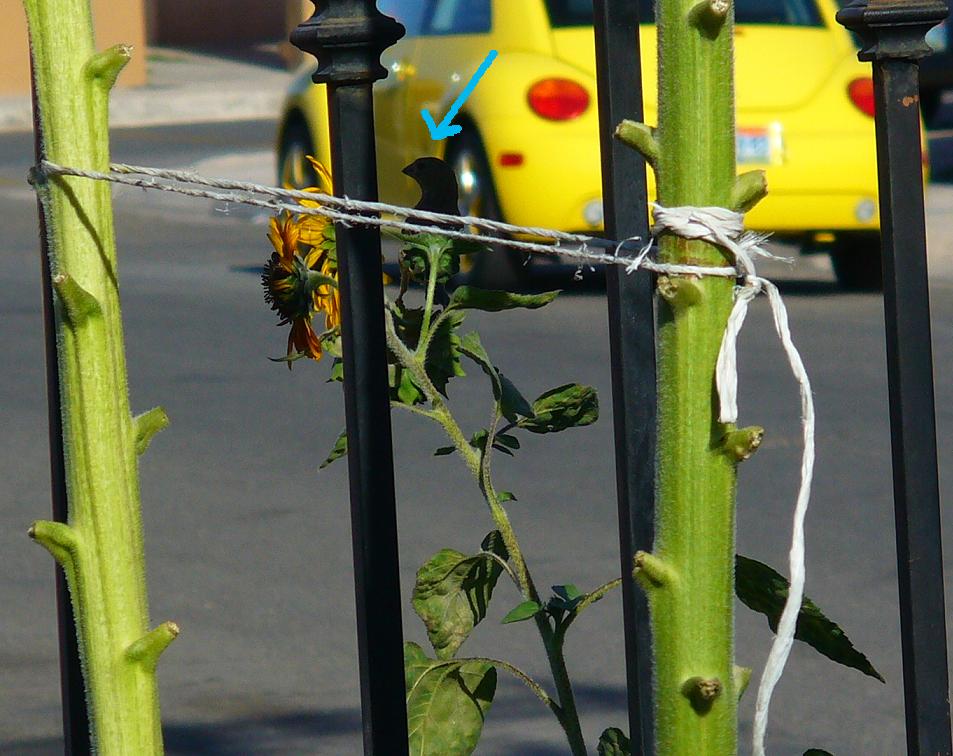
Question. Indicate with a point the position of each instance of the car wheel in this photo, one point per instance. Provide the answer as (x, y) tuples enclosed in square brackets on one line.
[(930, 102), (856, 260), (500, 269), (294, 170)]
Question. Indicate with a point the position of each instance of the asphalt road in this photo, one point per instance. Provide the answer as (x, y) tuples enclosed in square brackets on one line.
[(248, 545)]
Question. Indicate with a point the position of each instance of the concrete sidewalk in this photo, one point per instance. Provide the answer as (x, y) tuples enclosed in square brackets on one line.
[(184, 87)]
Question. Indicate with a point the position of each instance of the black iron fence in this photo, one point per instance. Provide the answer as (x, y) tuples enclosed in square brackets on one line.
[(348, 36)]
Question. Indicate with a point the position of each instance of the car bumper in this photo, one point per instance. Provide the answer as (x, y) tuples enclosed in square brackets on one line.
[(559, 184)]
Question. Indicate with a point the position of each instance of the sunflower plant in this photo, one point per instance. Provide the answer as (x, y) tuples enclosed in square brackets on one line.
[(429, 346)]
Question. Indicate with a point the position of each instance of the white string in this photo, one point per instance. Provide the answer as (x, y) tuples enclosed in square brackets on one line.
[(586, 248), (719, 226), (726, 229)]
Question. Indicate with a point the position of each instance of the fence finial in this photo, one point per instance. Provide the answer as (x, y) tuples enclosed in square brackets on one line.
[(347, 37), (893, 28)]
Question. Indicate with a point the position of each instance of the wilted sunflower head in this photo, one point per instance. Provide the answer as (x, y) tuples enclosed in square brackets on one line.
[(300, 277), (287, 277)]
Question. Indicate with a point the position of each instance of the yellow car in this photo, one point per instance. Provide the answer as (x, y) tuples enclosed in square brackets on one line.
[(529, 149)]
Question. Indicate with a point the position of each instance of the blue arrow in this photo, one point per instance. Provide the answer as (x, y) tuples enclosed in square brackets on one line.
[(446, 128)]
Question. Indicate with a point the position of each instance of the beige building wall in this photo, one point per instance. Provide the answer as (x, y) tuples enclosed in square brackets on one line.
[(117, 22)]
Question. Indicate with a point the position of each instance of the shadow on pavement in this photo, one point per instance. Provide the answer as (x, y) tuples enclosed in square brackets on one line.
[(302, 731)]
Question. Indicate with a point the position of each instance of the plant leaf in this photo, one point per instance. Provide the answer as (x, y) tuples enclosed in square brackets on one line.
[(446, 703), (764, 590), (443, 356), (339, 450), (614, 742), (472, 298), (443, 451), (493, 542), (512, 402), (522, 612), (565, 597), (472, 347), (452, 593), (569, 406), (817, 752), (407, 391)]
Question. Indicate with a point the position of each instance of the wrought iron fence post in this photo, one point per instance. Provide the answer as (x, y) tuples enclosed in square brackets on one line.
[(348, 37), (631, 340), (892, 36)]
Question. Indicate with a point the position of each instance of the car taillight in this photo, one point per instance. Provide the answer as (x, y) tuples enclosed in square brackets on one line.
[(558, 99), (861, 93)]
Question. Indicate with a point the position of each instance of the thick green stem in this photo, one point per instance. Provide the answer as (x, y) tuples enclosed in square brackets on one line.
[(101, 548), (689, 577)]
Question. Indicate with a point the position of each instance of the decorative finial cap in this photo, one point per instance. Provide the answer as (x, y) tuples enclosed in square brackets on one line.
[(347, 37), (893, 28)]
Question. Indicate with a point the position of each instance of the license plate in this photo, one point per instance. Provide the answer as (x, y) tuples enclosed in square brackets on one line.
[(753, 146)]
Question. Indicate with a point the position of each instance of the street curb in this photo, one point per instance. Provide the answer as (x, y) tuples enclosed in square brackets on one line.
[(184, 87), (147, 107)]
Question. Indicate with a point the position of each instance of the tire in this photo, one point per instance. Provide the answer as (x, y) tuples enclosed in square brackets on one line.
[(856, 261), (500, 269), (930, 102), (294, 170)]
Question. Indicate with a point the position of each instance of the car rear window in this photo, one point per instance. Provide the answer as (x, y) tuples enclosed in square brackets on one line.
[(564, 13)]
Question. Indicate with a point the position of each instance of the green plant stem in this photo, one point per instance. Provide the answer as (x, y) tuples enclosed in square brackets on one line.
[(691, 585), (480, 468), (432, 271), (101, 548)]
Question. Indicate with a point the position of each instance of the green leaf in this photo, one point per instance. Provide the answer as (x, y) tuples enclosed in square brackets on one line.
[(614, 742), (472, 298), (505, 496), (407, 322), (407, 391), (524, 611), (569, 406), (817, 752), (494, 543), (764, 590), (424, 249), (443, 451), (447, 703), (339, 450), (503, 449), (443, 356), (337, 372), (505, 439), (565, 597), (512, 402), (472, 347), (452, 593)]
